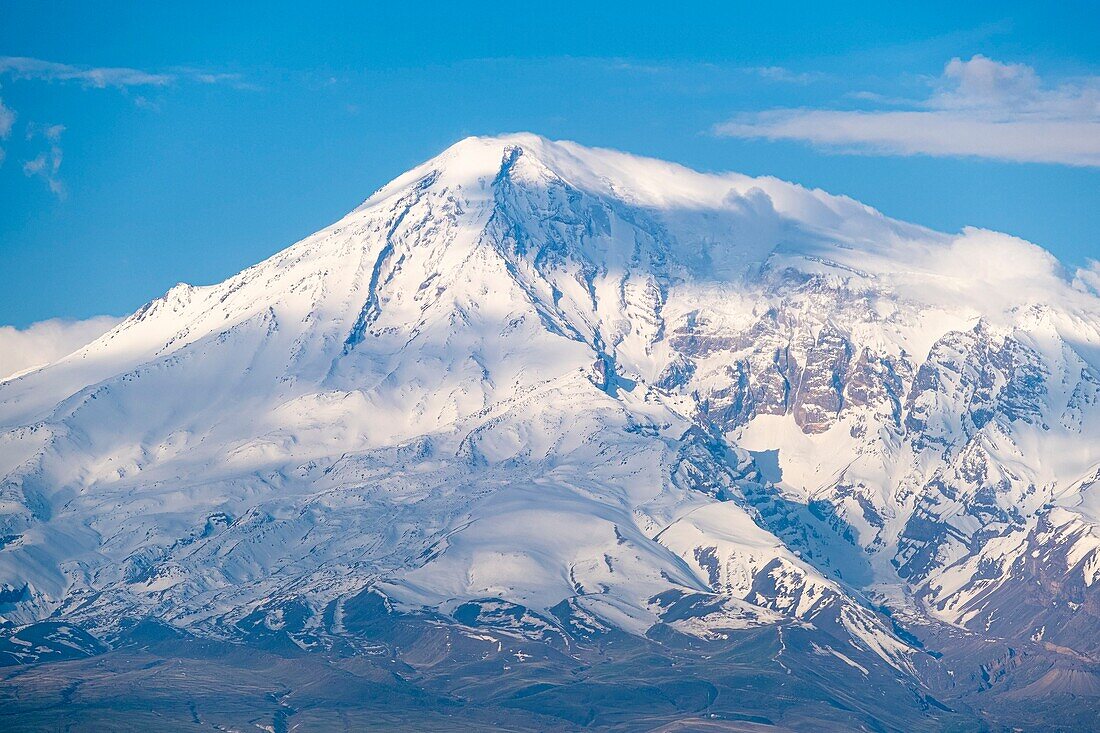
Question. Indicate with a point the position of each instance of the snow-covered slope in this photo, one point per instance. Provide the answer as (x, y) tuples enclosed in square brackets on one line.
[(557, 391)]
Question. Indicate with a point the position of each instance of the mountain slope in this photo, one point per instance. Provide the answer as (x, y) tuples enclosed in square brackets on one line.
[(557, 395)]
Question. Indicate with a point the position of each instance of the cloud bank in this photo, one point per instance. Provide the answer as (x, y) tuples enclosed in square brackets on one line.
[(981, 108), (46, 341)]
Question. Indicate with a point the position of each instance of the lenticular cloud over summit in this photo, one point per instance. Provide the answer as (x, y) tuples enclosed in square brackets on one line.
[(548, 437)]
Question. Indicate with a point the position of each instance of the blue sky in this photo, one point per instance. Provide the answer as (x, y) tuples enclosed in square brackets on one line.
[(147, 144)]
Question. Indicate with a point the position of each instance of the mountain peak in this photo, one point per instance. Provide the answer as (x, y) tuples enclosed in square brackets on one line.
[(465, 163), (740, 222)]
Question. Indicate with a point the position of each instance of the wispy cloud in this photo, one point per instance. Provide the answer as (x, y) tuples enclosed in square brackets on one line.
[(232, 80), (785, 75), (46, 341), (7, 119), (47, 164), (118, 77), (21, 67), (980, 107), (777, 74)]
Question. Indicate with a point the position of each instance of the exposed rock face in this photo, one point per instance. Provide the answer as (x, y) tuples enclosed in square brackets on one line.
[(991, 377), (940, 426), (786, 363)]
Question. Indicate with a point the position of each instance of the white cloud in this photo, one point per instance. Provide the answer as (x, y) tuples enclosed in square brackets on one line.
[(1087, 278), (785, 75), (46, 341), (21, 67), (939, 133), (46, 165), (234, 81), (119, 77), (980, 107), (7, 119), (983, 82), (53, 132), (36, 166)]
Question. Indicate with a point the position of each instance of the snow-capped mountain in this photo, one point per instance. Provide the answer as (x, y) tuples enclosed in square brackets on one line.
[(535, 392)]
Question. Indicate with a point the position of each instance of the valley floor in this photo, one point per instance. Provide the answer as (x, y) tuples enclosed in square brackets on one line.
[(423, 677)]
